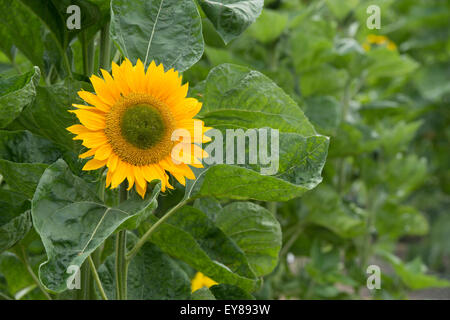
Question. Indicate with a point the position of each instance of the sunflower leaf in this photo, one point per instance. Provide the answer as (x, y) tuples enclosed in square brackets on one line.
[(231, 17), (72, 222), (15, 220), (23, 159), (47, 116), (255, 230), (152, 275), (167, 31), (236, 97), (192, 237), (16, 93)]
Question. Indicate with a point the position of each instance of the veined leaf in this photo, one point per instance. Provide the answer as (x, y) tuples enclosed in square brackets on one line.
[(413, 273), (15, 218), (24, 30), (23, 159), (72, 222), (238, 98), (167, 31), (53, 13), (256, 231), (231, 17), (48, 115), (15, 93), (253, 228), (152, 275), (230, 292), (192, 237), (269, 26)]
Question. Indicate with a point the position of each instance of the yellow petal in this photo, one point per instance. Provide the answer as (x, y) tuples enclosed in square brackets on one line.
[(77, 129), (112, 162), (103, 152), (139, 177), (94, 164), (90, 120), (87, 154), (94, 100), (119, 174), (102, 90), (141, 190)]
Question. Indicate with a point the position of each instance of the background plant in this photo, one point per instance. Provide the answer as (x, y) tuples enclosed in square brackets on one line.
[(384, 190)]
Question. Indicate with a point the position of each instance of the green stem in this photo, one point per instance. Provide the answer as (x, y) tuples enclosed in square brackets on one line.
[(272, 207), (121, 248), (147, 235), (25, 261), (85, 292), (105, 47), (88, 52), (97, 278), (67, 63), (291, 241), (366, 247)]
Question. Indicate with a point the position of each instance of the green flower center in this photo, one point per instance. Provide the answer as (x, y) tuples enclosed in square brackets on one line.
[(142, 126)]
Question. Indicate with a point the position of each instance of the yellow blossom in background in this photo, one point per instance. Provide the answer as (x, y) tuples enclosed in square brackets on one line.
[(373, 39), (200, 281), (129, 122)]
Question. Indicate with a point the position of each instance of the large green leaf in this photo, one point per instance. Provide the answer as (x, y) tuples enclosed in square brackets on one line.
[(341, 8), (311, 44), (22, 177), (253, 228), (25, 147), (413, 273), (238, 98), (15, 272), (325, 208), (48, 116), (23, 159), (393, 220), (15, 93), (191, 236), (53, 13), (231, 17), (269, 26), (15, 218), (324, 112), (386, 63), (152, 275), (248, 99), (167, 31), (229, 292), (72, 222), (24, 30)]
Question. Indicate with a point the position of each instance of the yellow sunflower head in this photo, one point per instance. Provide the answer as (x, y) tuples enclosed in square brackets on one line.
[(129, 126), (373, 39)]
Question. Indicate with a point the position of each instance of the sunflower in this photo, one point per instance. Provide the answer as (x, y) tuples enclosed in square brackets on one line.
[(378, 40), (129, 123)]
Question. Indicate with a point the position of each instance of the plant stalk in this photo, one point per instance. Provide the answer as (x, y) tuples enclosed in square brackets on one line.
[(121, 248), (147, 235), (85, 291), (97, 278), (105, 47), (25, 261)]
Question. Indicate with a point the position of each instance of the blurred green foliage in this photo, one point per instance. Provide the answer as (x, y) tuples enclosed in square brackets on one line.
[(385, 195)]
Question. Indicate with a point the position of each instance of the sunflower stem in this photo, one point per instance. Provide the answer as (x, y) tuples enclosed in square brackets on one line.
[(97, 278), (105, 47), (147, 235), (24, 257), (84, 293), (121, 248)]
